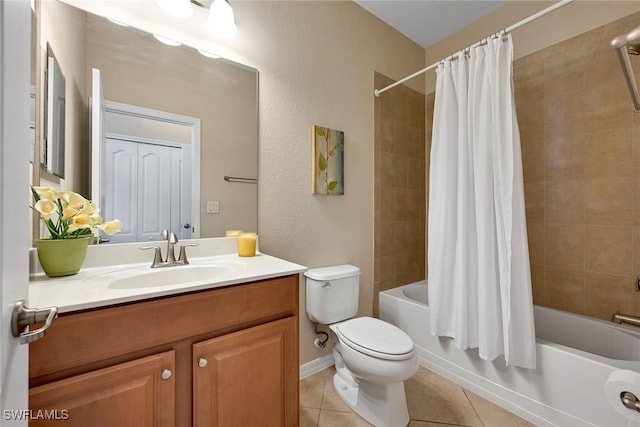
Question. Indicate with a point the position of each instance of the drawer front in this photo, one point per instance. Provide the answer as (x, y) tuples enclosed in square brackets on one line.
[(83, 338)]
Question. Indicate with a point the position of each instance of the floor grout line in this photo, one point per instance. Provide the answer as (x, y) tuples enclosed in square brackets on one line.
[(472, 406)]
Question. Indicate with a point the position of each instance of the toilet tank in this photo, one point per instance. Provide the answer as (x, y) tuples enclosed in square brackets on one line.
[(332, 293)]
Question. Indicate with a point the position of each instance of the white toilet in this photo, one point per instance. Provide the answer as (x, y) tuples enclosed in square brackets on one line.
[(372, 358)]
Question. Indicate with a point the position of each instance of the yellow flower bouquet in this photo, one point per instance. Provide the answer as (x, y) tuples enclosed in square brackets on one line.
[(70, 219), (68, 215)]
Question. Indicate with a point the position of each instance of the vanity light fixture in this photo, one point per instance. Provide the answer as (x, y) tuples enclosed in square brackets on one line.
[(166, 40), (177, 8), (221, 19)]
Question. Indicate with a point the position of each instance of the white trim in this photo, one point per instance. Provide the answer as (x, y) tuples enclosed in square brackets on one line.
[(316, 365)]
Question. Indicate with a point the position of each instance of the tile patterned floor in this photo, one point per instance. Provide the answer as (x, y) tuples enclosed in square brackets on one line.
[(433, 401)]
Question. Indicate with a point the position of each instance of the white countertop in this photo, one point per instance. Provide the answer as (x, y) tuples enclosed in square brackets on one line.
[(93, 287)]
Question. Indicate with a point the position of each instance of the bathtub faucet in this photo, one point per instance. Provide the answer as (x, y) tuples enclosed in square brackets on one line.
[(620, 318)]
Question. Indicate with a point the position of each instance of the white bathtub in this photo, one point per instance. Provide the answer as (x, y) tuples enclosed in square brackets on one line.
[(575, 355)]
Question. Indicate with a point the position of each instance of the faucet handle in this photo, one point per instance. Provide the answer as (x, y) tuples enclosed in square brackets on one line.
[(157, 256), (172, 238), (183, 253)]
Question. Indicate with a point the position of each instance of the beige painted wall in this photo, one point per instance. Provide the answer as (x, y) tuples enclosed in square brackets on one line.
[(316, 61), (564, 23)]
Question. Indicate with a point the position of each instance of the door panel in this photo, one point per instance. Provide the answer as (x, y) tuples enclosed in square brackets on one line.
[(128, 394), (250, 377), (154, 183), (15, 25), (121, 188)]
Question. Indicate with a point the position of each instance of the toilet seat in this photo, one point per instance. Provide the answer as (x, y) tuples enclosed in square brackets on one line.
[(375, 338)]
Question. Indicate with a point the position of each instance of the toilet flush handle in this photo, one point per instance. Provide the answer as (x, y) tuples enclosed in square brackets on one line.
[(326, 285)]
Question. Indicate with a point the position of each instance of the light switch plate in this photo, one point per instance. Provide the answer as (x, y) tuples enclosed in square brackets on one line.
[(213, 207)]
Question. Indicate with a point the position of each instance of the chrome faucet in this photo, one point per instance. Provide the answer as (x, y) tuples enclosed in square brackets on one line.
[(620, 318), (170, 259)]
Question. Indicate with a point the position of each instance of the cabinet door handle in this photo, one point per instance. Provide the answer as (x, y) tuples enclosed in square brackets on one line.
[(166, 374), (202, 362)]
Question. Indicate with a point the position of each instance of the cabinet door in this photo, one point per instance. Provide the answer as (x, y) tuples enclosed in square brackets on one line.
[(249, 378), (129, 394)]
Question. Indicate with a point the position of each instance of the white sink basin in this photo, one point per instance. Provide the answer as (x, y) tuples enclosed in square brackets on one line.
[(171, 276)]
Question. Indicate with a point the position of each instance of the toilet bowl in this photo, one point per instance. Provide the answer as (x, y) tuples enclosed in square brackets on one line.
[(372, 358), (370, 374)]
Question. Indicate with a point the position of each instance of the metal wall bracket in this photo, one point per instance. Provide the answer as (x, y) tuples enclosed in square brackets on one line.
[(24, 316)]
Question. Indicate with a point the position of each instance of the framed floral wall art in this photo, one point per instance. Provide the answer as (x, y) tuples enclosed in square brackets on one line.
[(328, 161)]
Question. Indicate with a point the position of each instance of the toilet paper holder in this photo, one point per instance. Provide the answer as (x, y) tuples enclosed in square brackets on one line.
[(629, 400)]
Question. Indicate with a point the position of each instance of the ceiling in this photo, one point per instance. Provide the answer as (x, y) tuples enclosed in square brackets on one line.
[(426, 22)]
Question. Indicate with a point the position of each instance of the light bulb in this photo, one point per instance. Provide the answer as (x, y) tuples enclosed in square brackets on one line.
[(221, 20), (177, 8)]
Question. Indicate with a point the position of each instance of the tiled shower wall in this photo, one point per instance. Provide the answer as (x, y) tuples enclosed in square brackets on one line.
[(400, 190), (581, 159)]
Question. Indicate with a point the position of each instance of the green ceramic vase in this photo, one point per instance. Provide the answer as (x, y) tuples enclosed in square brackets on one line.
[(62, 257)]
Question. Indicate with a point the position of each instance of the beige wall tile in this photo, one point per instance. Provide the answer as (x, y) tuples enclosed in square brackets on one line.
[(564, 246), (607, 293), (387, 197), (400, 187), (608, 249), (532, 159), (609, 201), (564, 202), (386, 238), (636, 251), (564, 289), (564, 68), (636, 199), (614, 113), (564, 157), (385, 135), (534, 201), (564, 114), (415, 203), (535, 234), (416, 174), (608, 153)]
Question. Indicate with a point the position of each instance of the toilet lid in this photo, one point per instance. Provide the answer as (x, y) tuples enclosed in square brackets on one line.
[(376, 338)]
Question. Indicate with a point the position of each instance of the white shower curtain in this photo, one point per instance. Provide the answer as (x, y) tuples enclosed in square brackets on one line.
[(479, 274)]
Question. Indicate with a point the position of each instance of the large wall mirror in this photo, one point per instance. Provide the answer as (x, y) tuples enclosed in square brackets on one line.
[(158, 136)]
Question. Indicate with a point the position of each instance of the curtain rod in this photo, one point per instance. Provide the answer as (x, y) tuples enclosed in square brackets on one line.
[(519, 24)]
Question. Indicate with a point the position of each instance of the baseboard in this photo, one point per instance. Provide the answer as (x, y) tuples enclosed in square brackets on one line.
[(316, 365)]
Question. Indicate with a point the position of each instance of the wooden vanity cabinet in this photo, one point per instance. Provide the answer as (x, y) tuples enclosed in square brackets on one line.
[(221, 357)]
